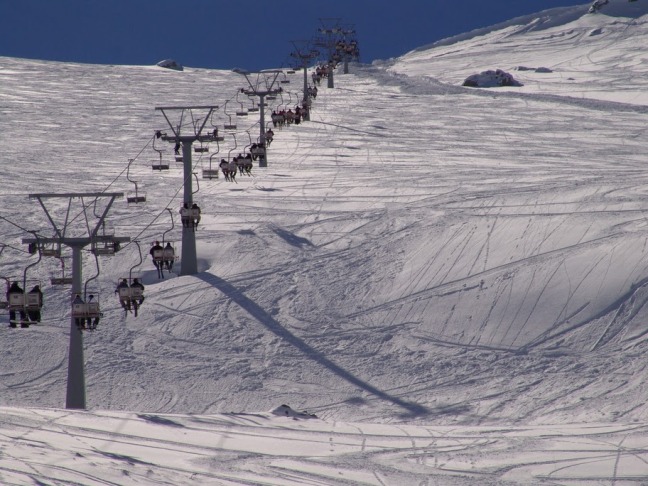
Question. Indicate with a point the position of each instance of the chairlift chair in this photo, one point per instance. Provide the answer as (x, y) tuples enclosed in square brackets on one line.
[(28, 303), (104, 243), (158, 164), (214, 136), (88, 309), (134, 196), (62, 280), (230, 125), (131, 296), (164, 255), (50, 250), (210, 169), (201, 149)]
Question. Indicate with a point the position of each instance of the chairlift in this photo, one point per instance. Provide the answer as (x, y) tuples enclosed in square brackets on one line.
[(86, 310), (190, 216), (28, 303), (210, 168), (164, 255), (62, 280), (158, 164), (50, 249), (201, 149), (214, 136), (254, 108), (230, 125), (104, 243), (137, 196), (130, 289)]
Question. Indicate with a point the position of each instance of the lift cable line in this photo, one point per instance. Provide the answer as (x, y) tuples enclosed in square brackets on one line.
[(189, 259), (261, 84), (76, 393)]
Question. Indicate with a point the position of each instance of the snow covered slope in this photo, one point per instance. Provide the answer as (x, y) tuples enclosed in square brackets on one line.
[(598, 56), (418, 253)]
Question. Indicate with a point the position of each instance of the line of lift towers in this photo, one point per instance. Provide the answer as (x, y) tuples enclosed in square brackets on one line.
[(187, 125)]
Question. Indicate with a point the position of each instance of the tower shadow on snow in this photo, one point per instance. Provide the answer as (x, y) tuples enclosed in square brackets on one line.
[(270, 323)]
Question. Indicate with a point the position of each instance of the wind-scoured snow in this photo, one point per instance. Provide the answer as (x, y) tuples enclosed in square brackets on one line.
[(453, 280)]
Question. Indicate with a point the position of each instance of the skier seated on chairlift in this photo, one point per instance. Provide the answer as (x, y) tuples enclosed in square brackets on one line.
[(224, 166), (232, 169), (15, 289), (168, 256), (124, 300), (240, 163), (269, 135), (35, 314), (137, 302), (247, 164), (80, 321), (90, 322), (156, 253), (185, 215), (195, 211)]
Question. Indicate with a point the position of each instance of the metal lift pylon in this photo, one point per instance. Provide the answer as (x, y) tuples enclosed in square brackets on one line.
[(189, 259), (262, 86), (76, 393)]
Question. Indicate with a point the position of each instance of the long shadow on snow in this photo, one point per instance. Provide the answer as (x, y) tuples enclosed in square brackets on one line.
[(413, 409)]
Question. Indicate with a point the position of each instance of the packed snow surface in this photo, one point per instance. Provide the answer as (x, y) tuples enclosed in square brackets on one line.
[(443, 285)]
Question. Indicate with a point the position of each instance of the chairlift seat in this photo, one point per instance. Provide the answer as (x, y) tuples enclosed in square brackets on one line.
[(169, 254), (178, 158), (51, 252), (210, 173), (158, 255), (160, 166), (16, 301), (61, 280), (255, 109), (200, 150), (130, 293), (229, 127), (108, 248), (136, 199), (86, 309), (241, 113), (33, 301)]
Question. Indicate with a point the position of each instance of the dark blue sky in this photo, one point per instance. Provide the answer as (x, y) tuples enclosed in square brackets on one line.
[(224, 34)]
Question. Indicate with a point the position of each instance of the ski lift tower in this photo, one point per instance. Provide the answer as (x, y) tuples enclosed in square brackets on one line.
[(189, 263), (76, 396), (261, 84), (330, 30), (304, 54), (348, 36)]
